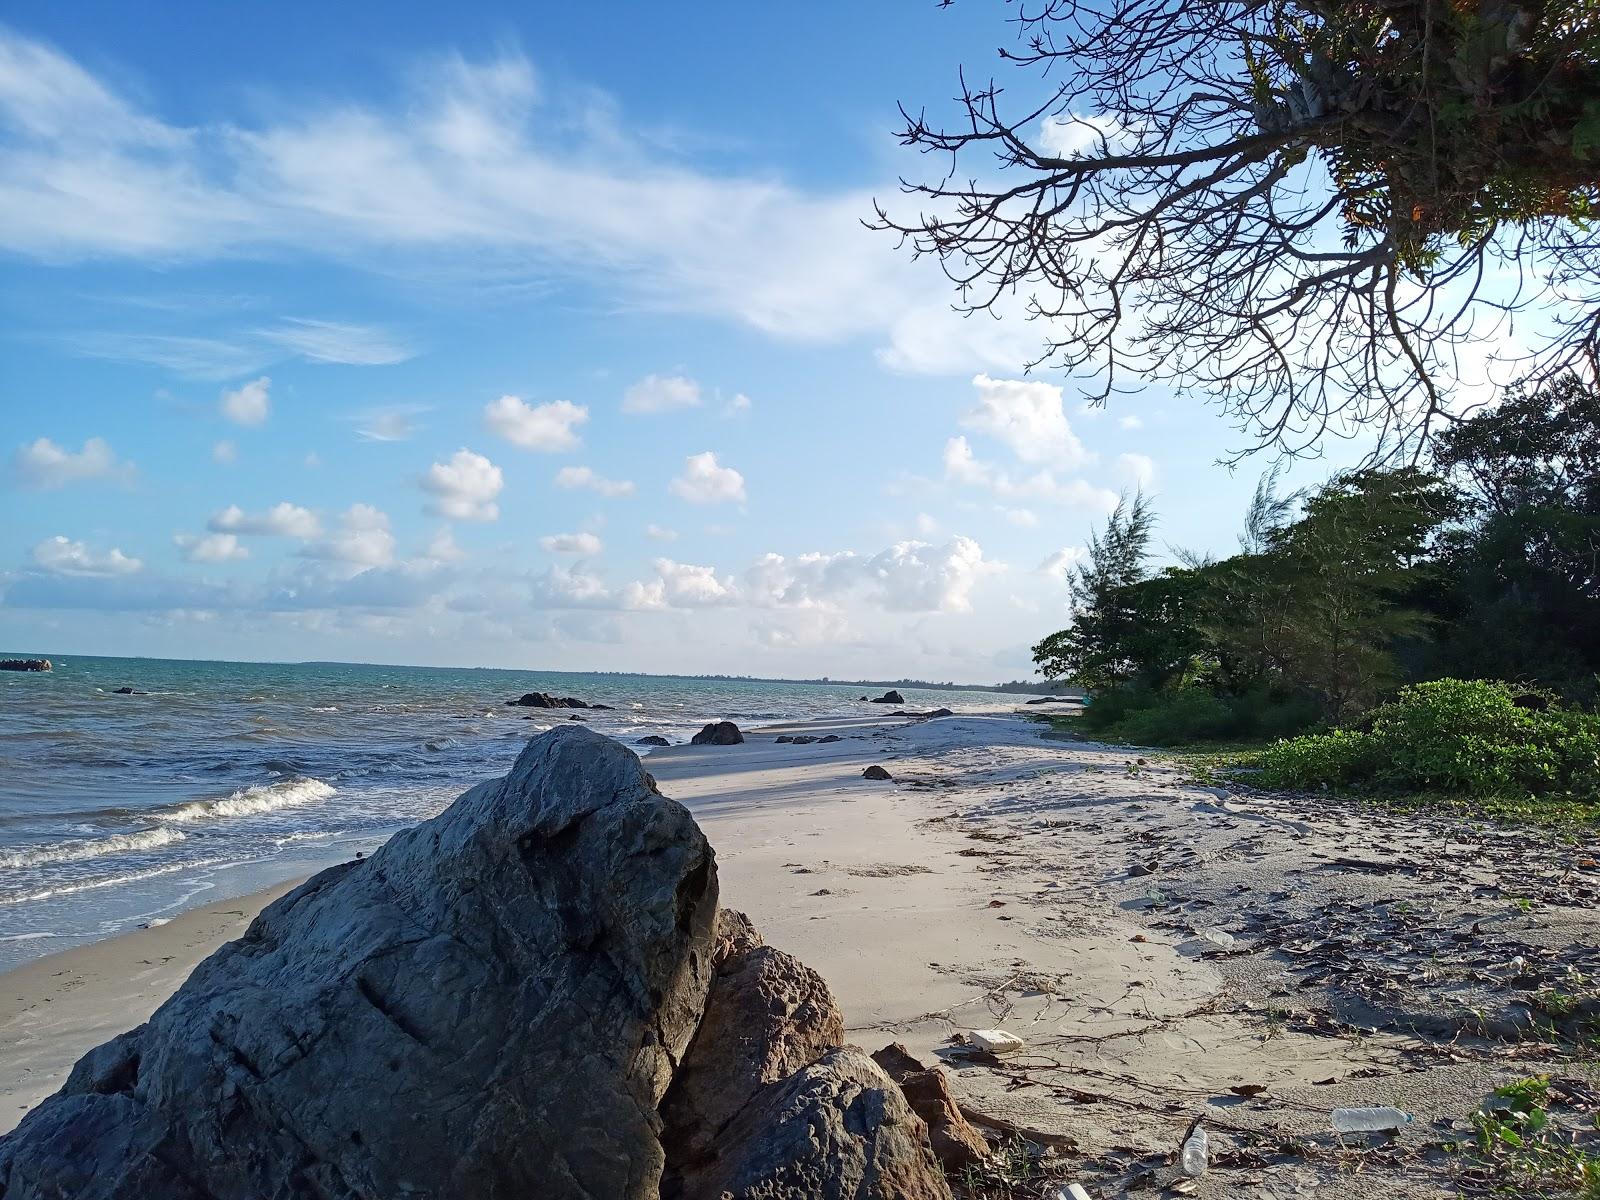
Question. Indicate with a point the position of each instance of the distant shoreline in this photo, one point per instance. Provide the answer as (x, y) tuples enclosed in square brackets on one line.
[(1014, 687)]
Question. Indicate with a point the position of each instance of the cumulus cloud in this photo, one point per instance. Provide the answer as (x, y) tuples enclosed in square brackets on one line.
[(1130, 422), (250, 404), (362, 539), (225, 452), (43, 465), (571, 543), (62, 556), (911, 576), (661, 393), (1027, 416), (331, 342), (681, 585), (210, 547), (660, 533), (563, 587), (465, 487), (584, 477), (739, 404), (962, 466), (704, 481), (442, 547), (549, 427), (1026, 518), (281, 520)]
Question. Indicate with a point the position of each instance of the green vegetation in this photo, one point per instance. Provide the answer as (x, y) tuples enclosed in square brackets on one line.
[(1522, 1150), (1401, 631)]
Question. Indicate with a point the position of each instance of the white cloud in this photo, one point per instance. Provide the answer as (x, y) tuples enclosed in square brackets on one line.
[(1023, 517), (1028, 417), (584, 477), (910, 576), (396, 423), (1130, 422), (563, 587), (43, 464), (312, 460), (281, 520), (1059, 565), (571, 543), (926, 526), (536, 427), (225, 452), (250, 404), (210, 547), (660, 533), (1068, 135), (465, 487), (362, 539), (442, 547), (681, 585), (60, 556), (704, 481), (661, 393), (331, 342), (962, 466), (739, 404), (1140, 468)]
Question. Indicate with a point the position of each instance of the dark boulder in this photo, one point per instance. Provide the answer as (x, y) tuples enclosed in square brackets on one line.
[(803, 739), (876, 772), (832, 737), (890, 698), (940, 712), (718, 733), (24, 664), (1044, 700), (782, 738), (546, 700), (125, 691), (652, 739), (492, 1005)]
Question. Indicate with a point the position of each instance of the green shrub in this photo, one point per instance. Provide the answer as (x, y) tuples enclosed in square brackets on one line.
[(1182, 714), (1468, 737)]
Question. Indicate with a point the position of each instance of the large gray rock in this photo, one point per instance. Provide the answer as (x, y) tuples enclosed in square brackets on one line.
[(491, 1006), (718, 733)]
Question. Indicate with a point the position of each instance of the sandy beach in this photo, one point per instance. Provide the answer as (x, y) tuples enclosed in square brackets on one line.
[(1166, 949)]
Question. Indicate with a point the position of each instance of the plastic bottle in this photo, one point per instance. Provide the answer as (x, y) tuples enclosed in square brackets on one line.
[(1369, 1120), (1196, 1154)]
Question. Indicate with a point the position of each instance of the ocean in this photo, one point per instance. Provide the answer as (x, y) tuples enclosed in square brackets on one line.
[(221, 778)]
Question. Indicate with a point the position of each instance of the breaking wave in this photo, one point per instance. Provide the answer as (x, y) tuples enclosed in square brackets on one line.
[(85, 848), (253, 801)]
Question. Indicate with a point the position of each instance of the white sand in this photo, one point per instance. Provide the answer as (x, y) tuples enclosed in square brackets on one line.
[(989, 886)]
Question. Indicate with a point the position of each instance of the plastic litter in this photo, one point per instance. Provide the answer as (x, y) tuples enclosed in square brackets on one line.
[(1073, 1191), (1370, 1120), (1196, 1154), (995, 1041), (1220, 937)]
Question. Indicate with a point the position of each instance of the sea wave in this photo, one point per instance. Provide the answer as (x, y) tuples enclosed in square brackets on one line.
[(253, 801), (85, 848)]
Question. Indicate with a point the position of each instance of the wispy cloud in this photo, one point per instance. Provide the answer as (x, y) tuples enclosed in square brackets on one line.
[(332, 342)]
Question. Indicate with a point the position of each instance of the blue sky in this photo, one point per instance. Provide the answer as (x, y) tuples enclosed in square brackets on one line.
[(474, 335)]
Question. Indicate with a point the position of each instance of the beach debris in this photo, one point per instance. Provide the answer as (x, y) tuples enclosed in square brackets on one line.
[(876, 772), (718, 733), (890, 697), (995, 1041), (1220, 937), (1073, 1191), (1194, 1156), (653, 739), (1369, 1120), (1248, 1090), (955, 1142)]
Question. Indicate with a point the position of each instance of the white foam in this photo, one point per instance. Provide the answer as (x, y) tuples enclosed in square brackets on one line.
[(253, 801), (85, 848)]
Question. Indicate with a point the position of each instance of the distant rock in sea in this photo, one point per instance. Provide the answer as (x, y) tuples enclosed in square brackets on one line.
[(125, 691), (718, 733), (25, 664), (495, 1004), (546, 700), (889, 698)]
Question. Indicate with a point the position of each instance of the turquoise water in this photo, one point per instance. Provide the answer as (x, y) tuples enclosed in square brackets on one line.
[(117, 810)]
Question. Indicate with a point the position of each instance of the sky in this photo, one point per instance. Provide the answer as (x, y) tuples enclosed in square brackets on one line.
[(474, 335)]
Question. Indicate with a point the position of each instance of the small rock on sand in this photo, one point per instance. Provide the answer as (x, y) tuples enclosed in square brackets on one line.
[(654, 739), (876, 772)]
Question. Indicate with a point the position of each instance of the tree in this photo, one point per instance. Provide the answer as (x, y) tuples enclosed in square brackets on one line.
[(1300, 208), (1093, 649)]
